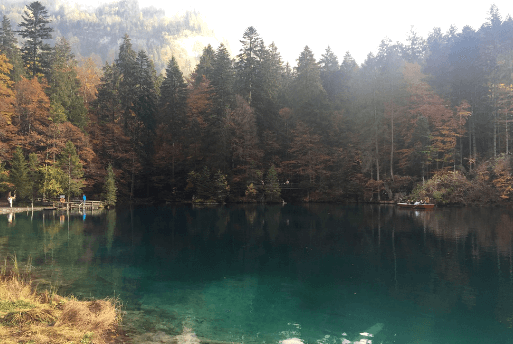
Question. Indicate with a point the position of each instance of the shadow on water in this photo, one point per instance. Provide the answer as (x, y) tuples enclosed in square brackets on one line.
[(322, 273)]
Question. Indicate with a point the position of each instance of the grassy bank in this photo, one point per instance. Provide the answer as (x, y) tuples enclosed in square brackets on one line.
[(29, 316)]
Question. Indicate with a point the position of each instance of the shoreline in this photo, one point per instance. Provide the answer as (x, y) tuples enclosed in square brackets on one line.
[(8, 210)]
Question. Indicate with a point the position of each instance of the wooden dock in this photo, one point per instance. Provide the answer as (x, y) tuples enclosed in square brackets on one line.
[(79, 205)]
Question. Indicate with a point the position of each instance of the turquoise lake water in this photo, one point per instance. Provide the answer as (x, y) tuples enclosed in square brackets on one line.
[(261, 274)]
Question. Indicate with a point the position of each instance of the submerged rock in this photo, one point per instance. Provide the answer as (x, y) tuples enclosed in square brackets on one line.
[(291, 341)]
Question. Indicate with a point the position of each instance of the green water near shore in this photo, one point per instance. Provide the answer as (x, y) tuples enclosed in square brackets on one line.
[(261, 274)]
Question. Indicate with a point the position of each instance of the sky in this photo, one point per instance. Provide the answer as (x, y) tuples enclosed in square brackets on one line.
[(357, 27)]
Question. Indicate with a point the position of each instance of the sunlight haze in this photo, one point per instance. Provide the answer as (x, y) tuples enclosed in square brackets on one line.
[(357, 27)]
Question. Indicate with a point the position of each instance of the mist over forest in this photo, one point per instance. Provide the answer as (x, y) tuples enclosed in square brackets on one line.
[(429, 118), (98, 32)]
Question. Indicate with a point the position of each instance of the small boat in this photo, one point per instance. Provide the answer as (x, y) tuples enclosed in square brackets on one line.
[(416, 206)]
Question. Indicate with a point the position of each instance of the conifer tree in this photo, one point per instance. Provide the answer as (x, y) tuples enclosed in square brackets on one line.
[(272, 186), (107, 104), (35, 30), (9, 47), (109, 187), (247, 63), (64, 91), (4, 178), (205, 67), (72, 169), (173, 99), (33, 176), (19, 174), (127, 68)]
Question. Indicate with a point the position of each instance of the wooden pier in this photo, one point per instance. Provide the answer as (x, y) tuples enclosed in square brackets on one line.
[(78, 205)]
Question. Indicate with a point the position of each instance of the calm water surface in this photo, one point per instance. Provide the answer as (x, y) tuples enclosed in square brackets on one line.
[(260, 274)]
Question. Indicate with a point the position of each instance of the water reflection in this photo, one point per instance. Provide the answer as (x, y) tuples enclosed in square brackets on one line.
[(321, 273)]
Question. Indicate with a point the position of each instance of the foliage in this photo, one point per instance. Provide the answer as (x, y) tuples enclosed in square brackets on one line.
[(34, 30), (109, 187), (272, 186), (72, 171), (19, 174), (208, 187)]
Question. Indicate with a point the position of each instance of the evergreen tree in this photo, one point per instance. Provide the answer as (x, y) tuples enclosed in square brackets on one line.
[(4, 178), (329, 73), (34, 176), (19, 174), (52, 181), (108, 103), (222, 80), (310, 100), (72, 169), (267, 87), (173, 99), (272, 186), (247, 63), (205, 67), (34, 30), (9, 47), (64, 90), (221, 187), (145, 106), (127, 68), (109, 187)]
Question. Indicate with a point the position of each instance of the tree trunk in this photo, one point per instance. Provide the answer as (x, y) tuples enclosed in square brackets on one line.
[(392, 146)]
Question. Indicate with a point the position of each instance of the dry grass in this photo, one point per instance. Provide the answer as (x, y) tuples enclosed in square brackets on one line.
[(30, 317)]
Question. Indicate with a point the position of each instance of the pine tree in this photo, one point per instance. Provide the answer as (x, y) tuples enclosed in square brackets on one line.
[(109, 187), (9, 47), (329, 73), (205, 67), (108, 102), (73, 171), (173, 99), (127, 68), (34, 176), (4, 178), (247, 63), (272, 186), (19, 174), (35, 30), (64, 91)]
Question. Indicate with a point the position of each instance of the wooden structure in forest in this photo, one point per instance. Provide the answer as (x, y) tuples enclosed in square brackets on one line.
[(78, 205)]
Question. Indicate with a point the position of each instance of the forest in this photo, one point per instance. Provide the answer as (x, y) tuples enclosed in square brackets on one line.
[(427, 118)]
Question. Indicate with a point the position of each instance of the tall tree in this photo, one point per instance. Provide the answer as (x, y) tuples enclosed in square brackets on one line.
[(248, 63), (330, 75), (35, 30), (310, 100), (173, 101), (108, 102), (109, 187), (9, 47), (64, 90), (205, 67), (19, 174), (73, 171)]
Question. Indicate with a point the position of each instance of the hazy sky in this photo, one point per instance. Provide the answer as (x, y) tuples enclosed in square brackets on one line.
[(354, 26)]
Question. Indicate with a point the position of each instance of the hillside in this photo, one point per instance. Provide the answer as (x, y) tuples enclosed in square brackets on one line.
[(98, 32)]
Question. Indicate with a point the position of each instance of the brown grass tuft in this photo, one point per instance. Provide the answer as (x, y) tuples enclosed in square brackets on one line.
[(31, 316), (97, 316), (39, 318)]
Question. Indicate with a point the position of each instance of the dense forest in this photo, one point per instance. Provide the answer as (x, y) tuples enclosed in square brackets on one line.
[(429, 117), (96, 33)]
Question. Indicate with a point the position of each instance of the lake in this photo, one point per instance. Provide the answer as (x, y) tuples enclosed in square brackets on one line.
[(260, 274)]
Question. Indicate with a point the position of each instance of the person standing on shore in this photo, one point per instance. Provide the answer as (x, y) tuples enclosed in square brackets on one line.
[(10, 199)]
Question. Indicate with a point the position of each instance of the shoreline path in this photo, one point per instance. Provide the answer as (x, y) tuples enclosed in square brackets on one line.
[(7, 210)]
